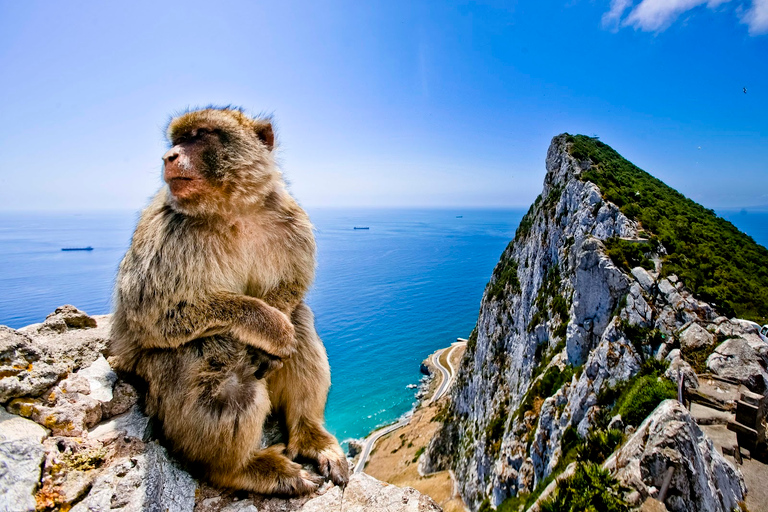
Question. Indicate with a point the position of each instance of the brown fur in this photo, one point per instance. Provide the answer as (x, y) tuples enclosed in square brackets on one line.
[(209, 310)]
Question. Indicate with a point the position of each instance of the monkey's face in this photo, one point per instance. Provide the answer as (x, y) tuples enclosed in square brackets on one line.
[(220, 161)]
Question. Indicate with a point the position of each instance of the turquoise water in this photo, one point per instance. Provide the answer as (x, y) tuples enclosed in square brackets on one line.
[(384, 298)]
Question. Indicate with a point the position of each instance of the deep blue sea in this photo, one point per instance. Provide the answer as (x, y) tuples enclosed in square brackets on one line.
[(384, 298)]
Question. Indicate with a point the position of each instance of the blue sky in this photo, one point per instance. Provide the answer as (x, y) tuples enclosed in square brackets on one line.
[(386, 103)]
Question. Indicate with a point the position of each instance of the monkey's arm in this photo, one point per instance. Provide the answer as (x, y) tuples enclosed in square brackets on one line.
[(250, 319)]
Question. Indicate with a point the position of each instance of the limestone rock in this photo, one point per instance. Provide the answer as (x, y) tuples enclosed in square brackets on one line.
[(36, 357), (644, 278), (21, 455), (695, 336), (67, 317), (702, 480), (736, 359), (678, 368), (147, 482)]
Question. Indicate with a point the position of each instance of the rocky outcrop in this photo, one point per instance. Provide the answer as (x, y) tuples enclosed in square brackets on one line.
[(559, 324), (72, 437), (738, 359), (702, 479)]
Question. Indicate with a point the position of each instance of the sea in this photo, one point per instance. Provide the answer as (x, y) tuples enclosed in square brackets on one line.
[(384, 298)]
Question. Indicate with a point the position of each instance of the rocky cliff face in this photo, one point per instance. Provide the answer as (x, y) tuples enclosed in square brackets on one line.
[(72, 437), (559, 324)]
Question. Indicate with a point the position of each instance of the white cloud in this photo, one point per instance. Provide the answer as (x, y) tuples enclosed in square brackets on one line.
[(612, 18), (756, 18), (657, 15)]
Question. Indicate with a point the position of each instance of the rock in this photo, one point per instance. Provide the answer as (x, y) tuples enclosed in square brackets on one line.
[(355, 446), (20, 462), (736, 327), (132, 423), (68, 317), (15, 428), (149, 481), (695, 336), (363, 494), (735, 359), (124, 396), (100, 378), (702, 480), (36, 357), (424, 368), (67, 409), (21, 454), (616, 423), (678, 367), (644, 278)]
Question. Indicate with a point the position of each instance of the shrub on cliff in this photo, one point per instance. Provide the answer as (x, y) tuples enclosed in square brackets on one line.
[(589, 488)]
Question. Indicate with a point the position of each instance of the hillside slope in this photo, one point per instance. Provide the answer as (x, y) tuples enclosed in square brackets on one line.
[(580, 322)]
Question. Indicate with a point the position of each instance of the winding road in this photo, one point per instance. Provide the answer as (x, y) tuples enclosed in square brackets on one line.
[(448, 375)]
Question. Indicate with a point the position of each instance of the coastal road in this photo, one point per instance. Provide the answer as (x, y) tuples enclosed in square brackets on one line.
[(371, 440), (447, 374)]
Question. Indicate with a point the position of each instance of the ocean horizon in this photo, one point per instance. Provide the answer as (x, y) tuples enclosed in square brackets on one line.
[(384, 297)]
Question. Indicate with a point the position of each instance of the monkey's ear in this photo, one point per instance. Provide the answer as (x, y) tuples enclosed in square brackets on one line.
[(265, 133)]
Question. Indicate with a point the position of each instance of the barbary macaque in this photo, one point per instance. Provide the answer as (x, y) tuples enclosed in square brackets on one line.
[(210, 311)]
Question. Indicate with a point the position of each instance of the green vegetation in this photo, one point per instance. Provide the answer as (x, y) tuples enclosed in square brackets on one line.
[(505, 274), (418, 454), (590, 451), (645, 394), (590, 488), (639, 396), (544, 387), (697, 356), (628, 255), (645, 340), (716, 261), (526, 223), (598, 445)]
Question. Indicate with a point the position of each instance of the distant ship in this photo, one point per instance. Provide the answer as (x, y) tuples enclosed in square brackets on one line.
[(459, 216), (362, 227), (89, 248)]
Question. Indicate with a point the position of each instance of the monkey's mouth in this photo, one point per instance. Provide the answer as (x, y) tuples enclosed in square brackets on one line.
[(182, 186)]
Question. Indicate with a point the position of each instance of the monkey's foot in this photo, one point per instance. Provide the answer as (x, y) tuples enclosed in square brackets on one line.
[(317, 444), (333, 465), (270, 472)]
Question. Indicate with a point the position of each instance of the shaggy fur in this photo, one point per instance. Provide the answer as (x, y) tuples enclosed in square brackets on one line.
[(209, 310)]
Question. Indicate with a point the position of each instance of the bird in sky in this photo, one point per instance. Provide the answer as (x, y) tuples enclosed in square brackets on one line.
[(745, 90)]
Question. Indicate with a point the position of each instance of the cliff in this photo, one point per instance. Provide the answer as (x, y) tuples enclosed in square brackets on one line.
[(72, 437), (585, 320)]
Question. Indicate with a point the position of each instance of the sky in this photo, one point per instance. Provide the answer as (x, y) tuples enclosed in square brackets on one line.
[(385, 104)]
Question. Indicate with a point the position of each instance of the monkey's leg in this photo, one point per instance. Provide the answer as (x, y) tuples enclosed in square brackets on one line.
[(212, 409), (299, 389)]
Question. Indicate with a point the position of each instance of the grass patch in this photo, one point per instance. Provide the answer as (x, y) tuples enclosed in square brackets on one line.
[(715, 260)]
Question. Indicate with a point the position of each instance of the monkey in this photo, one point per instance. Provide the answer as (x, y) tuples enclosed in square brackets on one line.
[(209, 310)]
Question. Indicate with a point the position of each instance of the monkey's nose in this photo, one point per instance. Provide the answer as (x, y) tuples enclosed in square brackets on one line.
[(171, 155)]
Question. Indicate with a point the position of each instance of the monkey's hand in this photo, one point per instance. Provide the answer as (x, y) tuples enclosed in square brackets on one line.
[(268, 329)]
